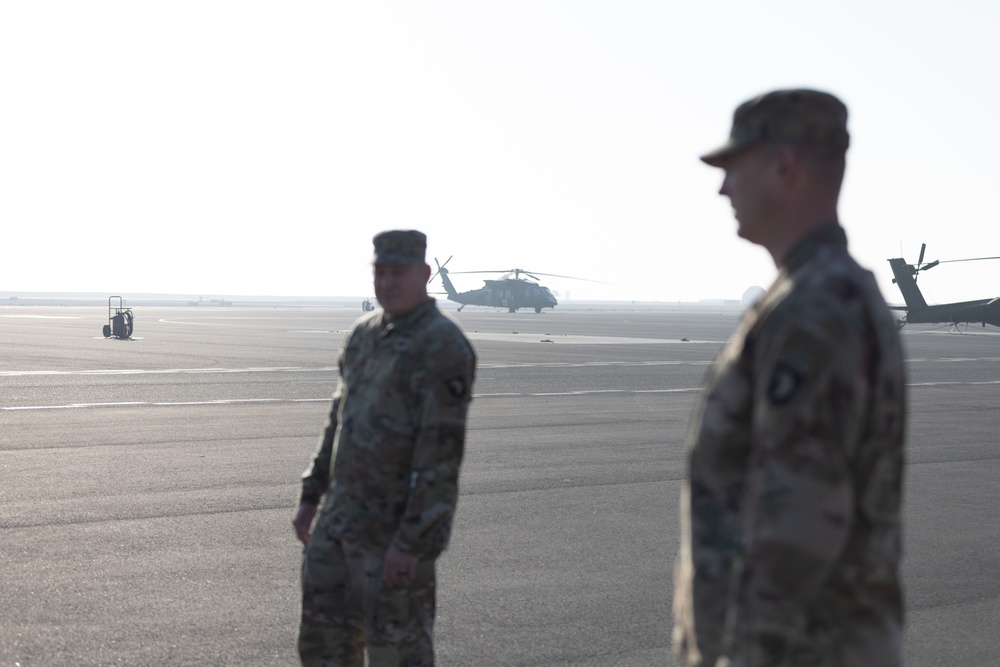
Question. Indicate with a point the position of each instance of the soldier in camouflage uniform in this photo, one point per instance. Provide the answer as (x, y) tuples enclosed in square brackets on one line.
[(790, 515), (387, 473)]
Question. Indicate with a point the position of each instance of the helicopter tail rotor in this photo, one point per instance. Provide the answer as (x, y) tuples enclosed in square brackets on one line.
[(920, 266), (440, 268)]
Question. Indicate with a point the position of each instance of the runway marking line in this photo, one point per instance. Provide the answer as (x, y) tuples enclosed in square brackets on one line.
[(953, 382), (595, 364), (170, 371), (327, 369), (239, 401), (532, 394), (135, 404)]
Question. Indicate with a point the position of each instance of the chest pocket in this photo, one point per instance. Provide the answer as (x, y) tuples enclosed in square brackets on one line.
[(377, 378)]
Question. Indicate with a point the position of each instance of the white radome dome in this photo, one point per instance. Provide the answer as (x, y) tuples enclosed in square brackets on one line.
[(751, 295)]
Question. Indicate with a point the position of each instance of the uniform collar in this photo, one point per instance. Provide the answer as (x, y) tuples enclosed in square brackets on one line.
[(831, 234), (410, 320)]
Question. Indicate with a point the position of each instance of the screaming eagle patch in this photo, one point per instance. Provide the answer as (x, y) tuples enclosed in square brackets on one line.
[(457, 386), (784, 384)]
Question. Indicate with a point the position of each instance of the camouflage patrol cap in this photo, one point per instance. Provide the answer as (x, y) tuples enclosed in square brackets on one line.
[(400, 246), (797, 116)]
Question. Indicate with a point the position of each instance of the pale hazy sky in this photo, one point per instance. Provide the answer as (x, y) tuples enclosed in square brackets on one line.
[(255, 147)]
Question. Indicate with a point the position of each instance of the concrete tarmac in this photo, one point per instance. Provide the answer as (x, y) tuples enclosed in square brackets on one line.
[(148, 486)]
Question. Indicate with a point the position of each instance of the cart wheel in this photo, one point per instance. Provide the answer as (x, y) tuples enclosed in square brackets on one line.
[(106, 331)]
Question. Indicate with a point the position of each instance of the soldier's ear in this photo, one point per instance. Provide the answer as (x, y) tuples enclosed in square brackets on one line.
[(787, 164)]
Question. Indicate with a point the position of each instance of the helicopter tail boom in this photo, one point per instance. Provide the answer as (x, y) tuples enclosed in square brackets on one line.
[(449, 288), (904, 273)]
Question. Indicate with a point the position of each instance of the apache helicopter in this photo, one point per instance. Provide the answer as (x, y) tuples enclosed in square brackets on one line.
[(506, 292), (986, 311)]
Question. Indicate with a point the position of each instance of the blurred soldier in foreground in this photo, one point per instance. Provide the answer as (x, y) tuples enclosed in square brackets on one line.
[(387, 474), (790, 516)]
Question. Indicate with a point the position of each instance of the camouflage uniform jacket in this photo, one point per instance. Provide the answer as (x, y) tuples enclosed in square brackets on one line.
[(389, 457), (790, 516)]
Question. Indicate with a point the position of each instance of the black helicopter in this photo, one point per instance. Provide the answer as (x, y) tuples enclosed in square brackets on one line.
[(986, 311), (505, 292)]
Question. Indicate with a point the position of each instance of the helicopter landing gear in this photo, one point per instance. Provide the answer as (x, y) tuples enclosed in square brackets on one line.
[(538, 309)]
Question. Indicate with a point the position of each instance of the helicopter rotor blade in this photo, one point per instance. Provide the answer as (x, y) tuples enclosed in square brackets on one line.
[(920, 263), (534, 274), (497, 271), (920, 266), (967, 259), (440, 266), (556, 275)]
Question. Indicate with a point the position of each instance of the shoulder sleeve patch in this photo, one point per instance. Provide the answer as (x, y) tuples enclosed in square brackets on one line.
[(457, 386), (784, 384)]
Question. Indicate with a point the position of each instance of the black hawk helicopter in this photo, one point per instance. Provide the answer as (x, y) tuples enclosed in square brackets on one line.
[(505, 292), (986, 311)]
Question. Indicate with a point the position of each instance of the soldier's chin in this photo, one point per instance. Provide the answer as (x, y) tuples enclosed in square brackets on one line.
[(391, 306), (743, 232)]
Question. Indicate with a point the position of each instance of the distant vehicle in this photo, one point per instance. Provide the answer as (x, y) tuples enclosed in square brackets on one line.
[(505, 292), (986, 311), (367, 305), (120, 320)]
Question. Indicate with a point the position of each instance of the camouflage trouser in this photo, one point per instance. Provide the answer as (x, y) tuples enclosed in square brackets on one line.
[(346, 607)]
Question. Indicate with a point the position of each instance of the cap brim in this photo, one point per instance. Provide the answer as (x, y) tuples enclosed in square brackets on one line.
[(721, 155)]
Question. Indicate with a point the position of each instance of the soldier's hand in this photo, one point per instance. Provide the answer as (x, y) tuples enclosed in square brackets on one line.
[(302, 521), (399, 568)]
